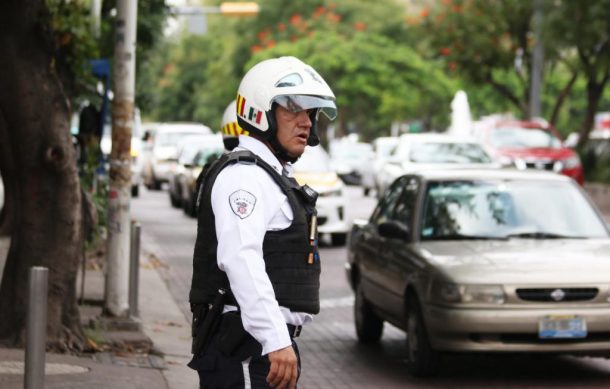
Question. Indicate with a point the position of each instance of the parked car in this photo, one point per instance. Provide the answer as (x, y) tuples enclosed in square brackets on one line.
[(194, 153), (531, 144), (483, 261), (313, 169), (348, 158), (431, 150), (382, 149), (160, 150)]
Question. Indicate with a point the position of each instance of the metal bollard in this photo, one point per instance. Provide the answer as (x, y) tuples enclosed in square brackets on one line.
[(134, 269), (36, 330)]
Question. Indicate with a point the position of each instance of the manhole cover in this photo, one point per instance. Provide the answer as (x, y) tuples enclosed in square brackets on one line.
[(16, 367)]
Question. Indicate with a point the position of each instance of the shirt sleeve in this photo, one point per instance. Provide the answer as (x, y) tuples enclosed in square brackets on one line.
[(243, 207)]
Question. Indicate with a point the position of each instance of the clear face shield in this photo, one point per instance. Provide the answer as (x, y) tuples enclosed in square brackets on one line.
[(298, 103)]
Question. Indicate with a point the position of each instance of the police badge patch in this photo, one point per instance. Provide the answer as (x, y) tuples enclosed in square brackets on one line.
[(242, 203)]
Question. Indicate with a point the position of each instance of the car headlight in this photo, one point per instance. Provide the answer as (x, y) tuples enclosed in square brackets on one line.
[(568, 163), (470, 294)]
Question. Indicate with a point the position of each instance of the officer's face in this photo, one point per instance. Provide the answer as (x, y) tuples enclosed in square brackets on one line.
[(292, 130)]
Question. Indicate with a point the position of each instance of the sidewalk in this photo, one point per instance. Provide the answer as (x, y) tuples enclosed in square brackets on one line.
[(137, 365)]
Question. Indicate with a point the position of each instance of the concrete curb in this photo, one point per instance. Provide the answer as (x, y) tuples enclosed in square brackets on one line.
[(165, 324)]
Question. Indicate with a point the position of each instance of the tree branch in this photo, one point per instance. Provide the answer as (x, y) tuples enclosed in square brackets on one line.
[(562, 96), (504, 91)]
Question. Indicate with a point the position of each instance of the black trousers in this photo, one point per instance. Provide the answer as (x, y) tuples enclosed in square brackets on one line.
[(233, 359), (217, 371)]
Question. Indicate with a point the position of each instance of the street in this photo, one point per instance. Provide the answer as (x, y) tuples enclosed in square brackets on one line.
[(332, 357)]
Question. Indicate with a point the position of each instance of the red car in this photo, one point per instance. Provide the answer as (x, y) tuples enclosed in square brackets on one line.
[(530, 144)]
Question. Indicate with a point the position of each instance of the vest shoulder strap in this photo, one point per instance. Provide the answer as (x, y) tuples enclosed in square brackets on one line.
[(244, 157)]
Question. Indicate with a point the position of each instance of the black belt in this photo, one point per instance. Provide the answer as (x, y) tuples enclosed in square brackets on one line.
[(294, 331)]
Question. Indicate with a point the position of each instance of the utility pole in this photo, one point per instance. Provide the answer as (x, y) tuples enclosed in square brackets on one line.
[(96, 11), (537, 61), (119, 193)]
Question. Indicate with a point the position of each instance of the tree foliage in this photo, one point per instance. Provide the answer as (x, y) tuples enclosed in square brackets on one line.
[(488, 45), (359, 47), (485, 42), (582, 34)]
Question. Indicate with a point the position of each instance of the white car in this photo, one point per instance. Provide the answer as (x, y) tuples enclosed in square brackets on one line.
[(160, 150), (348, 158), (382, 149), (432, 150), (313, 169)]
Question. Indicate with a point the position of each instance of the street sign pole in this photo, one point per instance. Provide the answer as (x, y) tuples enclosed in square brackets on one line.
[(537, 61), (119, 224)]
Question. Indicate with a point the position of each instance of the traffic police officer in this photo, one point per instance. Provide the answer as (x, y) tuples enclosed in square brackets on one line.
[(256, 259)]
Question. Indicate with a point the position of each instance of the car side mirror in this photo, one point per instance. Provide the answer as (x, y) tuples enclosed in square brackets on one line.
[(394, 230)]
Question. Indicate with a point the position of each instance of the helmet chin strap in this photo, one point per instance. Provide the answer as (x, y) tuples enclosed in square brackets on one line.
[(280, 152), (271, 138)]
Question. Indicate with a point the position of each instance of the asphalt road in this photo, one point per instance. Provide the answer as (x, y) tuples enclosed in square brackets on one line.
[(332, 358)]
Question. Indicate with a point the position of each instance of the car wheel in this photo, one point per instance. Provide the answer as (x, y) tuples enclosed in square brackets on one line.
[(422, 359), (338, 239), (189, 207), (135, 190), (174, 200), (366, 191), (369, 326)]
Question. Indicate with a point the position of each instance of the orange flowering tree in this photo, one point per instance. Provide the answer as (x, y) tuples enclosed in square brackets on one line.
[(486, 42), (375, 75), (489, 43)]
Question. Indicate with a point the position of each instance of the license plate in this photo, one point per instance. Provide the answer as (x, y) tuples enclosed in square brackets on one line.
[(562, 327)]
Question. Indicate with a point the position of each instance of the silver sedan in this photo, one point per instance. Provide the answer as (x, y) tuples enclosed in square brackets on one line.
[(483, 261)]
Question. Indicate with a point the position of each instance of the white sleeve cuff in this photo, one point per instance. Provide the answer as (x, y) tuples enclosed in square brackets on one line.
[(282, 340)]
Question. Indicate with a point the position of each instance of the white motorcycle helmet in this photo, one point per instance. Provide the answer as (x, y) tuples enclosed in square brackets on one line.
[(229, 127), (288, 82)]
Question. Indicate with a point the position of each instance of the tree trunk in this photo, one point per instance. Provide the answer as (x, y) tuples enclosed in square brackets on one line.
[(40, 175), (594, 93), (565, 92)]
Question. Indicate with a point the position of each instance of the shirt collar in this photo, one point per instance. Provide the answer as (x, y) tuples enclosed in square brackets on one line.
[(259, 148)]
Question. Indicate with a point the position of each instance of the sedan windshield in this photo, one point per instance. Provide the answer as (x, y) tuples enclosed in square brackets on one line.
[(507, 209), (523, 138), (445, 152)]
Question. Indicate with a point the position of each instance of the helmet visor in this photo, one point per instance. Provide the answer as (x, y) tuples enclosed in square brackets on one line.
[(298, 103)]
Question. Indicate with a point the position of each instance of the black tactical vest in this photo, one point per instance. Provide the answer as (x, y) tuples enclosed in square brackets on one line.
[(291, 258)]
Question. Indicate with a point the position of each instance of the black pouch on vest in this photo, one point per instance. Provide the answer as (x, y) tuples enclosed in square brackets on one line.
[(234, 341)]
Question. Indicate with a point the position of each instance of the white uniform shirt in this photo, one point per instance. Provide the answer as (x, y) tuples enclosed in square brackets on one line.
[(247, 203)]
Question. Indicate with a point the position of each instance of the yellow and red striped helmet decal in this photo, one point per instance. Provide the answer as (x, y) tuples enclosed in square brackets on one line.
[(241, 102), (233, 129)]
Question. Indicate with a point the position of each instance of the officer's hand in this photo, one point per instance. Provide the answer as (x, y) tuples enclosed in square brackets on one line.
[(284, 368)]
